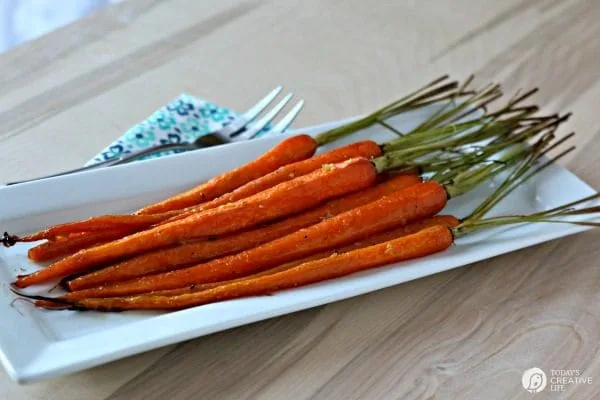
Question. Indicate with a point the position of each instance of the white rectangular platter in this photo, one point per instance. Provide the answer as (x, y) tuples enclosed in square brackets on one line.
[(37, 344)]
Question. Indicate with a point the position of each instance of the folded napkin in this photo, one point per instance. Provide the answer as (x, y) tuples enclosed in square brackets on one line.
[(182, 120)]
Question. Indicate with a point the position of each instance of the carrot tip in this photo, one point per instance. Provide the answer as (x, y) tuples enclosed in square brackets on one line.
[(22, 295), (18, 284), (9, 240)]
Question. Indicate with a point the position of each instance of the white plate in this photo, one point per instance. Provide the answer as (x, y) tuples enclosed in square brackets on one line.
[(37, 344)]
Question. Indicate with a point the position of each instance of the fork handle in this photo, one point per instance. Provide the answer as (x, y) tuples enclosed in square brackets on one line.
[(118, 160)]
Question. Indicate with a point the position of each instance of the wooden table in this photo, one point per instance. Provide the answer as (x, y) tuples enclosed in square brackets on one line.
[(467, 333)]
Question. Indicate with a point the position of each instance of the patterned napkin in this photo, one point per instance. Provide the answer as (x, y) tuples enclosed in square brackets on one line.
[(182, 120)]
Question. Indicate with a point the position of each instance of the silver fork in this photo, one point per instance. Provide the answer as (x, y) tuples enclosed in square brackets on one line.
[(240, 128)]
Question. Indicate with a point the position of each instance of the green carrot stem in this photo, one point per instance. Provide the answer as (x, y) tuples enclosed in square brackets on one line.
[(431, 92), (469, 179), (426, 144), (521, 179), (555, 218), (474, 102)]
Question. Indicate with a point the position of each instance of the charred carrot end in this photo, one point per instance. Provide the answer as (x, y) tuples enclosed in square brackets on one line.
[(69, 245), (9, 240), (420, 244), (290, 150), (284, 199)]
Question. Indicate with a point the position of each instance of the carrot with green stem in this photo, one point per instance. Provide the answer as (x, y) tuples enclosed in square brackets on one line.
[(286, 198), (422, 243), (399, 208), (169, 259)]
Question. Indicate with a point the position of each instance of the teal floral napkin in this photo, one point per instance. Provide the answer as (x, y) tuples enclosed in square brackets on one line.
[(182, 120)]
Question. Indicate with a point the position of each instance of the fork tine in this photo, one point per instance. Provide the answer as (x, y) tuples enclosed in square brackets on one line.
[(287, 120), (261, 105), (253, 130)]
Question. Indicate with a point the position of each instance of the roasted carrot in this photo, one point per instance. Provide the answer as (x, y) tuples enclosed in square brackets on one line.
[(290, 150), (70, 244), (425, 242), (126, 223), (248, 212), (449, 221), (399, 208), (286, 198), (367, 149), (191, 253), (444, 220)]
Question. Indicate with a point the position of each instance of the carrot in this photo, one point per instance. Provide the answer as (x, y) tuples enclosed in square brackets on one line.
[(290, 150), (286, 198), (367, 149), (422, 243), (449, 221), (399, 208), (246, 213), (70, 244), (425, 242), (176, 257), (444, 220), (126, 223)]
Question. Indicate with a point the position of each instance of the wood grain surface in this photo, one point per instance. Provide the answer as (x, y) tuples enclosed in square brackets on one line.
[(463, 334)]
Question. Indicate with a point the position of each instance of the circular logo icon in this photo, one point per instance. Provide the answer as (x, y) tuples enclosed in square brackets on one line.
[(534, 380)]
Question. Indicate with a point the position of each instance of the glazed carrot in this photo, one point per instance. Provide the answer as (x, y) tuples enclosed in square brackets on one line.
[(444, 220), (290, 150), (70, 244), (394, 233), (472, 223), (286, 198), (183, 255), (399, 208), (425, 242), (101, 223), (246, 213), (367, 149)]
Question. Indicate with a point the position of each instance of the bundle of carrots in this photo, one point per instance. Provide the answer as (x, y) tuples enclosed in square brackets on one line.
[(290, 218)]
